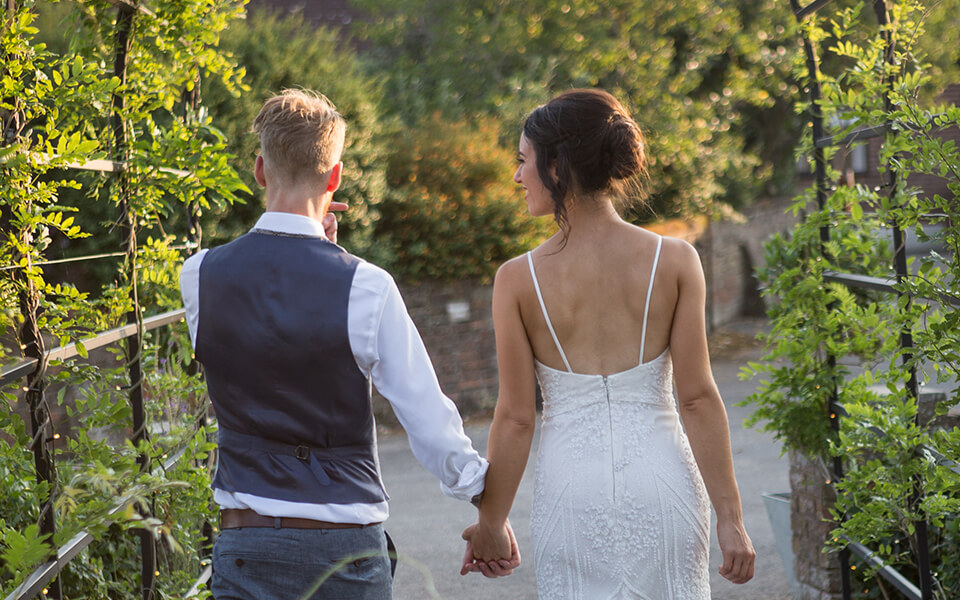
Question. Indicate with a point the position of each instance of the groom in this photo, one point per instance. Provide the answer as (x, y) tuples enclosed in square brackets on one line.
[(292, 330)]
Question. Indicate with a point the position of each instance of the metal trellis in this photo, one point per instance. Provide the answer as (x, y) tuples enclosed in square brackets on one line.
[(887, 285), (32, 368)]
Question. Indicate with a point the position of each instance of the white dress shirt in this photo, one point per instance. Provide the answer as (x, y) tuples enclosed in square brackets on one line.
[(388, 350)]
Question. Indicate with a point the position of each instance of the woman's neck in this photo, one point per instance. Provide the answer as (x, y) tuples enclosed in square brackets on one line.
[(589, 218)]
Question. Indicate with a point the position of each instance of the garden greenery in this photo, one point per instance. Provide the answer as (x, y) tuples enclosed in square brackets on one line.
[(453, 211), (434, 107), (708, 82), (891, 482), (59, 111)]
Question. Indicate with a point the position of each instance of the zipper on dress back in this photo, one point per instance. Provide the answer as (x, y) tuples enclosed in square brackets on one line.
[(613, 461)]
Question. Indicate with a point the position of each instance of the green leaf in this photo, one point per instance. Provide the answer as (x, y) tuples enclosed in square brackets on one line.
[(856, 211), (26, 550)]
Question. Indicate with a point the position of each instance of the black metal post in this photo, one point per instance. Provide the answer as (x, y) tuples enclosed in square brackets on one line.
[(820, 173), (194, 233), (913, 389), (148, 548), (32, 345), (194, 239)]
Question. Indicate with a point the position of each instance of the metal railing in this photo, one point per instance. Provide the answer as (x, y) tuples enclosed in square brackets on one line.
[(42, 576), (33, 367), (27, 365), (923, 591)]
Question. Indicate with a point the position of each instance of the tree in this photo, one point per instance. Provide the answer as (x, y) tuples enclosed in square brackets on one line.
[(698, 76)]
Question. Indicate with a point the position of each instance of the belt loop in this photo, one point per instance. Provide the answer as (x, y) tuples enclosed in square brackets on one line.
[(276, 523)]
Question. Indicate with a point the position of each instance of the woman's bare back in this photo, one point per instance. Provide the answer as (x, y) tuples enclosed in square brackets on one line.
[(595, 292)]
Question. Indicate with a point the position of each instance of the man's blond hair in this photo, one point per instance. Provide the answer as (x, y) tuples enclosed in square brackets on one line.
[(301, 134)]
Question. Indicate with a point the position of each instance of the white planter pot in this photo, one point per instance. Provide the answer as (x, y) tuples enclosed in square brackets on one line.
[(778, 511)]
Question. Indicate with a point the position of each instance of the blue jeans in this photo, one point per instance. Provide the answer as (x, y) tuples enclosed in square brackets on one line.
[(259, 563)]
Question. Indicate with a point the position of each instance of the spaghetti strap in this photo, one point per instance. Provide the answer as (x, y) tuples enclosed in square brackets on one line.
[(646, 306), (546, 317)]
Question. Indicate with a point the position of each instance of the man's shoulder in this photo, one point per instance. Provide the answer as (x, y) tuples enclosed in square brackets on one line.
[(371, 277), (193, 261)]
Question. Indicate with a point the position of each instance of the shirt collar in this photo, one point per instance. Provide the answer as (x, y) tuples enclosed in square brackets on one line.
[(283, 222)]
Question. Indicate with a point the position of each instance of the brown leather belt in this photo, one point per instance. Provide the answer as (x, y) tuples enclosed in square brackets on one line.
[(232, 518)]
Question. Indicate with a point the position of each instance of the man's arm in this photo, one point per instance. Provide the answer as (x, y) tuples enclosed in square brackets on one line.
[(190, 292), (400, 368)]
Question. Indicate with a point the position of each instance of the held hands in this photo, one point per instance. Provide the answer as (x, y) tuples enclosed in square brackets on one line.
[(486, 549), (737, 550)]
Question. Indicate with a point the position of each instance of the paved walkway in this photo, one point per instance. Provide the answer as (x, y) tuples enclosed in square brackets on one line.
[(426, 525)]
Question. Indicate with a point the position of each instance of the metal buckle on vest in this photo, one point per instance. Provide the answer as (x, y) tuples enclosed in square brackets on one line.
[(302, 452)]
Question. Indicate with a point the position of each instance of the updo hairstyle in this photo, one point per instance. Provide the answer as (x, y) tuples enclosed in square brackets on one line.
[(586, 144)]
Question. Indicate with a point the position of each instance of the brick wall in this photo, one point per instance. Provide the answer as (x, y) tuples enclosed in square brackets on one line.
[(731, 250), (871, 178), (456, 324)]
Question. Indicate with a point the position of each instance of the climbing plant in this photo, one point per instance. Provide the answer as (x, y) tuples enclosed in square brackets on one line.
[(826, 337), (120, 99)]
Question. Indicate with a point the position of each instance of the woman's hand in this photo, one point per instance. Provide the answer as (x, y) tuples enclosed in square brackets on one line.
[(737, 550), (493, 552)]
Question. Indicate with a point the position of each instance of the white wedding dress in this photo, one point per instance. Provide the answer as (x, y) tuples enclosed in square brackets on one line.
[(620, 510)]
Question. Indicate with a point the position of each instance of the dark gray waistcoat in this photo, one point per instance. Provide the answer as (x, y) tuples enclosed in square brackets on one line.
[(293, 408)]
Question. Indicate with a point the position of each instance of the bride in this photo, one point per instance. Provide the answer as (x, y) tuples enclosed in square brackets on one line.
[(607, 317)]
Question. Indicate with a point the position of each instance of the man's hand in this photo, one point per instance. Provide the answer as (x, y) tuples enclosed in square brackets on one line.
[(737, 550), (330, 220), (495, 564)]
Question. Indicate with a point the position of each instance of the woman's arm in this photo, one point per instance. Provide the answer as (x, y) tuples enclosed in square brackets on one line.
[(704, 416), (514, 419)]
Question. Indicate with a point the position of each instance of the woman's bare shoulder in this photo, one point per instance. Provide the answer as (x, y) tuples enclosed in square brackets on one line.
[(517, 269), (679, 253), (512, 275)]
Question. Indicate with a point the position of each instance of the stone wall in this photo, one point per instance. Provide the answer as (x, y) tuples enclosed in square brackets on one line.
[(811, 497), (731, 250)]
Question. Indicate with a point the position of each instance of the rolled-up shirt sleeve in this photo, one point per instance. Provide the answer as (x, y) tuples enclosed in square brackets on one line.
[(388, 347)]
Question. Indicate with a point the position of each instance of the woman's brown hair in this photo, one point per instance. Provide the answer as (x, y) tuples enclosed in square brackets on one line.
[(586, 143)]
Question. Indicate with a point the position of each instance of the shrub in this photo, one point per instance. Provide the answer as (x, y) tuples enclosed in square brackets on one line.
[(453, 211)]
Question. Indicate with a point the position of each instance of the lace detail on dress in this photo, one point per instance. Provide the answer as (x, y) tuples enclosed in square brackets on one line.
[(620, 510)]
